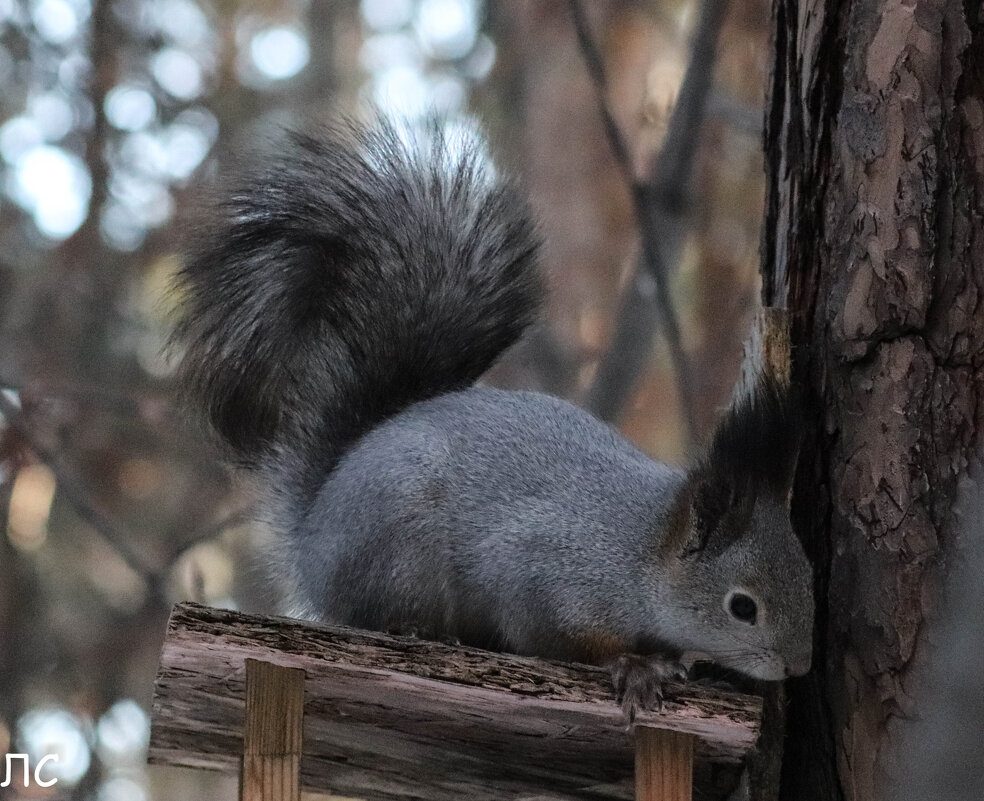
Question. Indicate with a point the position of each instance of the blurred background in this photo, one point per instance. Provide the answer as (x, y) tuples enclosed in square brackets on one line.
[(115, 115)]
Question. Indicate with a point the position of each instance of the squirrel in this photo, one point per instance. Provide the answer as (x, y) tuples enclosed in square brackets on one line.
[(337, 313)]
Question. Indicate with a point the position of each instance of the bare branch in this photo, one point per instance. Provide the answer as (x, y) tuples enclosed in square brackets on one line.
[(75, 493), (596, 70), (212, 530), (674, 164), (659, 205)]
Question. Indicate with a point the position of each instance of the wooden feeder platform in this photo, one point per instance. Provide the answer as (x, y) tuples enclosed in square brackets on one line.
[(364, 715)]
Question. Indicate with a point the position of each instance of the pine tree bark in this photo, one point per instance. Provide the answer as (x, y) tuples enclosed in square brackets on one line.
[(874, 241)]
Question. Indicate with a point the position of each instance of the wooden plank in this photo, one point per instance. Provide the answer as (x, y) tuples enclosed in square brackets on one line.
[(272, 733), (664, 765), (393, 718)]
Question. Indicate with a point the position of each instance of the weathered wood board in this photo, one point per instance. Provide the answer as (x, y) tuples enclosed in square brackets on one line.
[(389, 717)]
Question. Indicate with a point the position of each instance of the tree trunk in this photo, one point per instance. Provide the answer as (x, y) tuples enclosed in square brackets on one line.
[(874, 242)]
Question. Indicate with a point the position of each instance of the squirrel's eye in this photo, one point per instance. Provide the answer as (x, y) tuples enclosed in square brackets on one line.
[(743, 608)]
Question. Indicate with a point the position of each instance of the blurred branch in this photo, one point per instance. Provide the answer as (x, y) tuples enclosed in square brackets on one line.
[(149, 406), (103, 49), (76, 494), (74, 491), (213, 530), (659, 204), (736, 114), (596, 70)]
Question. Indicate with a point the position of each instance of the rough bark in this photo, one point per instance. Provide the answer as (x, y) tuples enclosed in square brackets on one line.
[(873, 240), (399, 718)]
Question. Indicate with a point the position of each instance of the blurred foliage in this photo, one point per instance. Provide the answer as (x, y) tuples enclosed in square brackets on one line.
[(113, 117)]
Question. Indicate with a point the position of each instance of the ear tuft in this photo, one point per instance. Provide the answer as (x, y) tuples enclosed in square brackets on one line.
[(752, 454), (755, 444)]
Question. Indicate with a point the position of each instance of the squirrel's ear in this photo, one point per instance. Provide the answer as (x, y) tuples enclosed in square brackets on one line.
[(711, 498)]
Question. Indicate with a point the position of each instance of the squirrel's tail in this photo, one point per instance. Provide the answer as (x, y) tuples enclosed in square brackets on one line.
[(353, 274)]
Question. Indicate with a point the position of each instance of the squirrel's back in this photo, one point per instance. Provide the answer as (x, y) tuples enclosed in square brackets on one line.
[(353, 274), (461, 514)]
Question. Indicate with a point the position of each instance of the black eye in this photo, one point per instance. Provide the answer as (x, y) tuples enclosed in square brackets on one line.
[(743, 608)]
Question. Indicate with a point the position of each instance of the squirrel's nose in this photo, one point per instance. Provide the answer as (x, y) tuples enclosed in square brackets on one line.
[(799, 665)]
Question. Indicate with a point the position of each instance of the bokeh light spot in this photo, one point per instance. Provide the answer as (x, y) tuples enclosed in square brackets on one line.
[(279, 53), (17, 136), (53, 730), (130, 108), (120, 228), (122, 734), (402, 91), (54, 185), (447, 28), (178, 73), (53, 113), (55, 20), (183, 22), (386, 15), (186, 147), (121, 788), (8, 11), (30, 504), (384, 51)]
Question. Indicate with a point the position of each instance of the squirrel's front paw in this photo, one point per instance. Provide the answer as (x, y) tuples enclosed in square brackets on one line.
[(640, 681)]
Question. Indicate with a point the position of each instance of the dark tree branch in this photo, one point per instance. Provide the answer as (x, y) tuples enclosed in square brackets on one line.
[(211, 530), (671, 175), (78, 496), (596, 70), (75, 493), (659, 205), (734, 113)]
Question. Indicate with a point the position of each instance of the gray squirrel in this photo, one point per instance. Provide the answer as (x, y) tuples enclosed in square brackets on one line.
[(337, 313)]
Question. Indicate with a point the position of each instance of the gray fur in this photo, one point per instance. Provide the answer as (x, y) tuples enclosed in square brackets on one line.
[(337, 313), (515, 520)]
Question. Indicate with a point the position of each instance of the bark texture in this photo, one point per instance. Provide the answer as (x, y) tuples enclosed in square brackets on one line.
[(396, 718), (874, 242)]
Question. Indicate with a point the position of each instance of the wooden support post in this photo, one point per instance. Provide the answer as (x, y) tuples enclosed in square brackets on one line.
[(664, 765), (272, 733)]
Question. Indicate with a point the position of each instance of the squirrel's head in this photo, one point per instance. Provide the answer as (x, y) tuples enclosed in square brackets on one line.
[(736, 577)]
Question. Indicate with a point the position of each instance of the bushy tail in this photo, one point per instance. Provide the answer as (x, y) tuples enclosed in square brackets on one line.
[(351, 275)]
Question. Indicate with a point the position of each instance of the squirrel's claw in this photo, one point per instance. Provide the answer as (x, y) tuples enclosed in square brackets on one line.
[(640, 681)]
